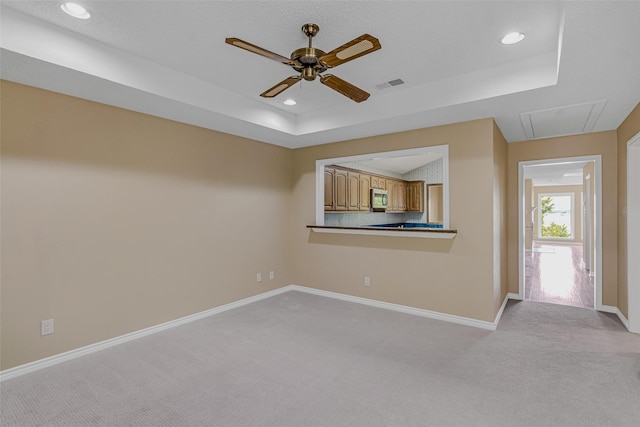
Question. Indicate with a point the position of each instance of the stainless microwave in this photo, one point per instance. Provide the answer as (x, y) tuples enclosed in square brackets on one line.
[(379, 200)]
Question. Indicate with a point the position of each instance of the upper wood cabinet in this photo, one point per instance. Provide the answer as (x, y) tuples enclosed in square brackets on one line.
[(347, 190), (397, 194), (390, 193), (353, 191), (329, 195), (340, 184), (415, 196), (365, 192), (378, 182), (400, 196)]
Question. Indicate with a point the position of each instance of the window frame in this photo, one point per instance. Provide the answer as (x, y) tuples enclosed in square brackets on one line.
[(572, 220)]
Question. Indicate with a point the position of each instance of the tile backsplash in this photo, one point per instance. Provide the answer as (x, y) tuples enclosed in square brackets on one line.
[(369, 218)]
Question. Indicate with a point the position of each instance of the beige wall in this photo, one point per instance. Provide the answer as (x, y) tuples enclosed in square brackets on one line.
[(600, 143), (627, 130), (113, 221), (500, 288), (450, 276), (576, 190)]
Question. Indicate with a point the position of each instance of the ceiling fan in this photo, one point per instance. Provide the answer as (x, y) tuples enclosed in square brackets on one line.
[(311, 62)]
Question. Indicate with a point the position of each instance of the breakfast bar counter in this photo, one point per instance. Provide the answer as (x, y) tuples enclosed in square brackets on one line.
[(388, 230)]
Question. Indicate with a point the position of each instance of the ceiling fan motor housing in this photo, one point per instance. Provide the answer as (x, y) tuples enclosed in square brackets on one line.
[(306, 61)]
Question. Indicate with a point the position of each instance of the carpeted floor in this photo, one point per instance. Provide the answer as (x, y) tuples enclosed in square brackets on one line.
[(303, 360)]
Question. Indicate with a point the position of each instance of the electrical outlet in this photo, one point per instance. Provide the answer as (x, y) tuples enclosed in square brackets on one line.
[(259, 277), (272, 275), (46, 327), (367, 281)]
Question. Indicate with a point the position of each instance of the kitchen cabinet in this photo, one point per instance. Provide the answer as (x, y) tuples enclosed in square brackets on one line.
[(415, 196), (353, 191), (401, 196), (397, 194), (340, 184), (346, 190), (378, 182), (349, 190), (329, 198), (365, 192), (390, 192)]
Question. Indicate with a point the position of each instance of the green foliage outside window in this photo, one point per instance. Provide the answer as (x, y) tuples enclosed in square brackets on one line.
[(547, 206), (555, 230)]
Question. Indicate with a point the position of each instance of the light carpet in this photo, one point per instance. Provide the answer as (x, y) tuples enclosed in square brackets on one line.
[(304, 360)]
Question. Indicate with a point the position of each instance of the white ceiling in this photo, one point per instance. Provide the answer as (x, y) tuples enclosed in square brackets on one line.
[(553, 174), (399, 165), (402, 164), (169, 59)]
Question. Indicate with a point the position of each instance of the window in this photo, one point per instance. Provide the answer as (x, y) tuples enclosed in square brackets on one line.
[(555, 216)]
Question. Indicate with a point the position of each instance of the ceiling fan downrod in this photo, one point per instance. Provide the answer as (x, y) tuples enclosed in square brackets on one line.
[(310, 30), (307, 57)]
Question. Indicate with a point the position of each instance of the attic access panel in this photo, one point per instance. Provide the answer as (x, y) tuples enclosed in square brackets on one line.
[(565, 120)]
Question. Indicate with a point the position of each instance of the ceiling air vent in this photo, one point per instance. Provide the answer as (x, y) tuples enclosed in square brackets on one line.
[(390, 83)]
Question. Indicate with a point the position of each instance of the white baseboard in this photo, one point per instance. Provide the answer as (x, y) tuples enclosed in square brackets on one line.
[(405, 309), (499, 315), (615, 310), (92, 348), (515, 296)]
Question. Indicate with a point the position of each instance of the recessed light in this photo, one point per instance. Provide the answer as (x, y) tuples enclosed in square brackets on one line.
[(75, 10), (289, 102), (512, 38)]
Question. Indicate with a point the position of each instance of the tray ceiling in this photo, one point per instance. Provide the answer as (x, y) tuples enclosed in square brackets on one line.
[(169, 59)]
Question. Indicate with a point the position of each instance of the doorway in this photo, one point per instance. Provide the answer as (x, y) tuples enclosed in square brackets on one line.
[(559, 234)]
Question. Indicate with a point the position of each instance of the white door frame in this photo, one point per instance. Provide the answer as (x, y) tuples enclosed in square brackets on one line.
[(587, 224), (633, 232), (597, 182)]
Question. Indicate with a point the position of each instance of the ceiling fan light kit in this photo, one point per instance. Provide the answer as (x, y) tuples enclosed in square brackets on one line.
[(310, 62)]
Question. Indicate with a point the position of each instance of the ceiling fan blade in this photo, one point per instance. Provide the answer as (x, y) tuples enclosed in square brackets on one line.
[(256, 49), (281, 87), (354, 49), (345, 88)]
